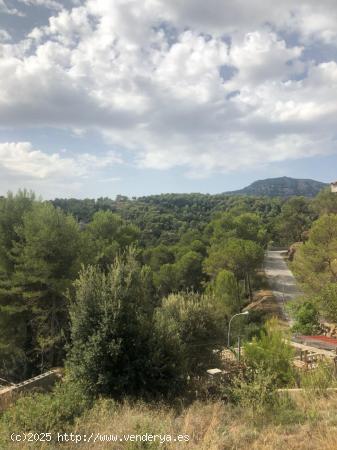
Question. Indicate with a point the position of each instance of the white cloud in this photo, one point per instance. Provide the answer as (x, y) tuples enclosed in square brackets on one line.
[(21, 163), (261, 56), (5, 9), (310, 18), (207, 86), (50, 4), (4, 36)]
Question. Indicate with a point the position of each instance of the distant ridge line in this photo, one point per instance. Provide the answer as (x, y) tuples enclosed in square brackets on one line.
[(282, 187)]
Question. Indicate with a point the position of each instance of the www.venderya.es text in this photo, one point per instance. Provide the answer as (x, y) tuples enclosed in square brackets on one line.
[(98, 437)]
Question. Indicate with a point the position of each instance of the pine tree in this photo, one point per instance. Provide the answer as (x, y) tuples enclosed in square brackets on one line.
[(46, 259), (14, 314)]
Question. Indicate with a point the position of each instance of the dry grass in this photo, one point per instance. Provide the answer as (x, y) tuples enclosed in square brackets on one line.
[(214, 426), (310, 425)]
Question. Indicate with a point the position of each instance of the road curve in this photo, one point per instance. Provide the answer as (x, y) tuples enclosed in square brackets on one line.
[(281, 279)]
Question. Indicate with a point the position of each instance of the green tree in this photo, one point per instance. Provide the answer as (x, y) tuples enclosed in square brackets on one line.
[(158, 256), (240, 256), (295, 218), (325, 202), (315, 262), (105, 236), (14, 324), (271, 354), (189, 271), (185, 274), (327, 301), (192, 320), (46, 261), (123, 344), (111, 318), (246, 226), (224, 289), (12, 209), (166, 280), (306, 319)]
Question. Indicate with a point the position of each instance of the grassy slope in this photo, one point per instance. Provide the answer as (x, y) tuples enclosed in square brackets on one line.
[(309, 424)]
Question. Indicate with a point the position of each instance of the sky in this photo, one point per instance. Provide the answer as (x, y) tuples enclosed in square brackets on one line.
[(107, 97)]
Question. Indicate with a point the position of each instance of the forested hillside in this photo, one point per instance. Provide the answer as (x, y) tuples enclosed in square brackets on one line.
[(283, 187), (211, 246), (133, 296), (164, 218), (174, 250)]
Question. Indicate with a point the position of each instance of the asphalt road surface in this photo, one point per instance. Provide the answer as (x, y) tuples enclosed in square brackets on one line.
[(281, 279)]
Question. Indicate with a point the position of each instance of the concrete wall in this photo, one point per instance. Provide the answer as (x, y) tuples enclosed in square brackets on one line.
[(43, 382)]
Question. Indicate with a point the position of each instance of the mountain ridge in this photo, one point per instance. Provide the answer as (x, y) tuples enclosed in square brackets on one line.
[(282, 187)]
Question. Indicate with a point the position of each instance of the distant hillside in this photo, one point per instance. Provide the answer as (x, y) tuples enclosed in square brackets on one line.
[(282, 187)]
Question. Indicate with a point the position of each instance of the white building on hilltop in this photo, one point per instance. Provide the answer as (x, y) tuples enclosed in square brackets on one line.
[(333, 186)]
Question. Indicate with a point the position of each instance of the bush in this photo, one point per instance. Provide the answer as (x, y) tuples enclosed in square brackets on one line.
[(327, 299), (111, 321), (40, 413), (186, 330), (270, 354), (122, 344), (319, 379), (261, 403), (306, 319), (256, 392)]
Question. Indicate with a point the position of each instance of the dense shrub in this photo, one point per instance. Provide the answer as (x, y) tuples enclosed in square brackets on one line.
[(125, 344), (270, 354), (40, 413), (306, 319)]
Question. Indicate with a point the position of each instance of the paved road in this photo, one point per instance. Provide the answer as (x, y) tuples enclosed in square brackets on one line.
[(281, 279)]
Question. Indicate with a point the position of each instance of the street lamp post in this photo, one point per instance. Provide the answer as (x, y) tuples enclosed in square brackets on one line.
[(229, 325)]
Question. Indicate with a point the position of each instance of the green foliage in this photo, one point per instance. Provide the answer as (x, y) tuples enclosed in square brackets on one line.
[(110, 325), (224, 289), (14, 325), (260, 402), (185, 274), (315, 262), (122, 344), (319, 379), (257, 392), (306, 319), (41, 261), (156, 257), (245, 225), (12, 209), (163, 219), (178, 236), (237, 255), (241, 257), (41, 413), (195, 326), (295, 218), (189, 271), (325, 202), (166, 280), (105, 236), (46, 261), (327, 301), (47, 251), (270, 354)]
